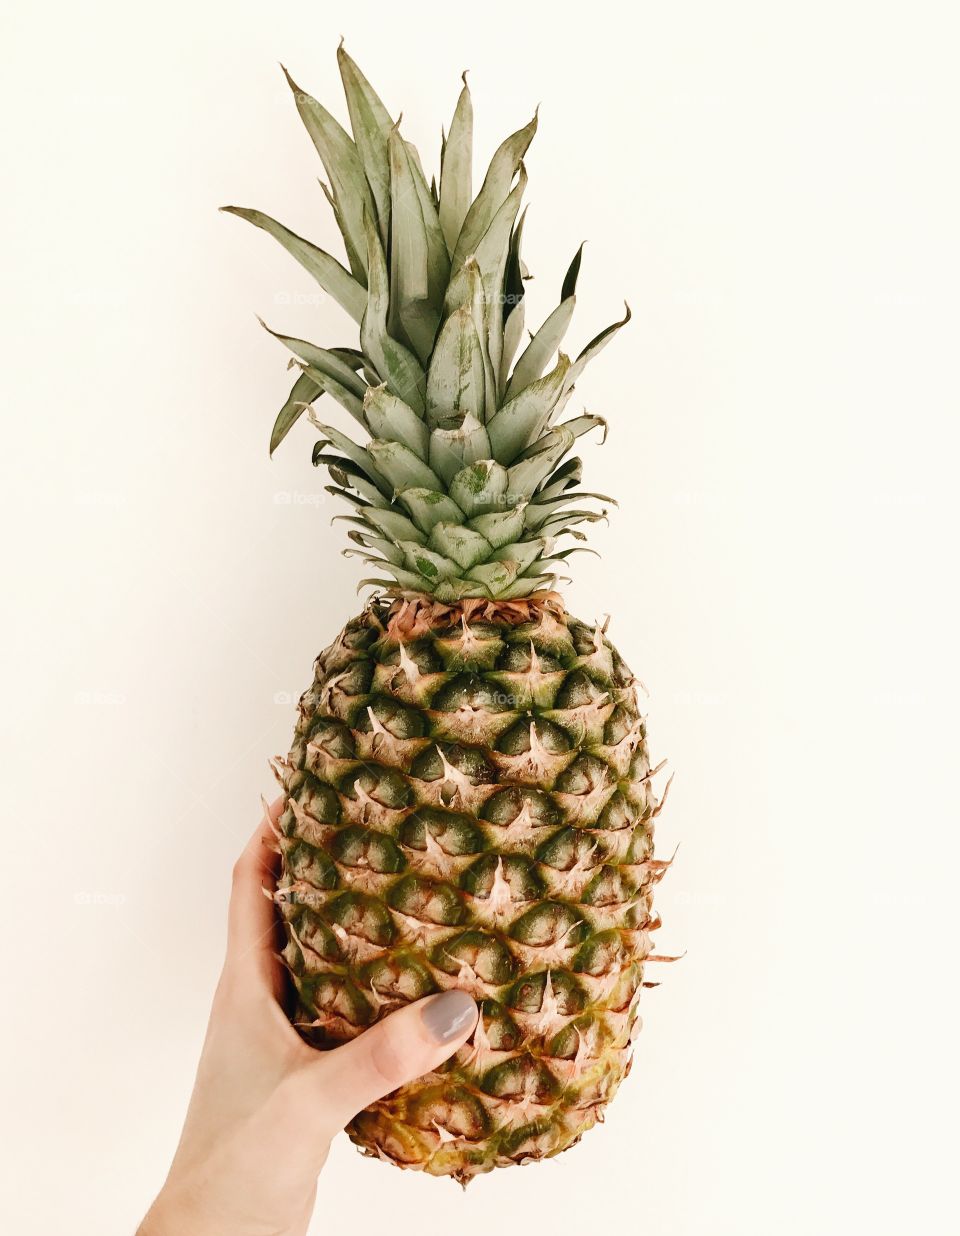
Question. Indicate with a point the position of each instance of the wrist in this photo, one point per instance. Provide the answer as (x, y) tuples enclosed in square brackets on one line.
[(173, 1216)]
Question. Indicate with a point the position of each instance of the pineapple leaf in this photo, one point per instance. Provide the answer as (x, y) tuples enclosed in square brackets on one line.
[(430, 565), (346, 398), (522, 554), (481, 320), (548, 338), (513, 290), (371, 124), (527, 584), (395, 421), (456, 378), (495, 575), (356, 453), (465, 546), (453, 448), (412, 316), (480, 487), (406, 579), (545, 342), (348, 183), (522, 420), (456, 170), (500, 527), (334, 278), (429, 507), (573, 273), (349, 475), (438, 260), (524, 477), (305, 391), (327, 362), (512, 334), (491, 255), (597, 344), (394, 525), (493, 192), (394, 363), (401, 466), (578, 426)]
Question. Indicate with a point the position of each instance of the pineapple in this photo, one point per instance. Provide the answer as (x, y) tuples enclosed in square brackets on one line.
[(468, 797)]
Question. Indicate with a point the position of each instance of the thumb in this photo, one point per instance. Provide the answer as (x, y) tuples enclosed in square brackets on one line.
[(405, 1045)]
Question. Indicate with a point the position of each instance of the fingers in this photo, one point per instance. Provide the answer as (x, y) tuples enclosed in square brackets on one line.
[(252, 921), (405, 1045)]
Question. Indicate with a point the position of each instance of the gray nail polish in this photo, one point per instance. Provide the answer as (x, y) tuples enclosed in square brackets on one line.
[(446, 1015)]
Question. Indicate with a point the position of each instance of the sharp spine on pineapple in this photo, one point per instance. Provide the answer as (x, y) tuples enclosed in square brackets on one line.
[(468, 795)]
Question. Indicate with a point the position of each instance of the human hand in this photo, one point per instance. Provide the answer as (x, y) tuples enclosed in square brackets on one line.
[(265, 1105)]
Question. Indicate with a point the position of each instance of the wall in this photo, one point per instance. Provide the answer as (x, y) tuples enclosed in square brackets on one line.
[(774, 190)]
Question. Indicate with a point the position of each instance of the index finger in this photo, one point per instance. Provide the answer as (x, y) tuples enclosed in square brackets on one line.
[(252, 920)]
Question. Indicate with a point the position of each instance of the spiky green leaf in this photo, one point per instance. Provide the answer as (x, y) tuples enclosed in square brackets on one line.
[(371, 124), (456, 170), (395, 364), (348, 182), (334, 278), (305, 391), (496, 186)]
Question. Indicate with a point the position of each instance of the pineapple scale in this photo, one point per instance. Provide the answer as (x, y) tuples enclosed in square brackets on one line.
[(469, 804)]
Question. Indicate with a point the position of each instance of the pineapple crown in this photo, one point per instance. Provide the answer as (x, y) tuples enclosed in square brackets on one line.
[(460, 491)]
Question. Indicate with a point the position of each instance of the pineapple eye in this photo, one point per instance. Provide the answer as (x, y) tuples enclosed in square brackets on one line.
[(339, 997), (506, 805), (451, 1108), (397, 720), (550, 922), (310, 865), (566, 848), (361, 916), (446, 761), (361, 847), (455, 834), (478, 955), (578, 691), (601, 954), (523, 1077), (616, 814), (524, 658), (332, 737), (562, 996), (641, 846), (586, 775), (619, 724), (429, 901), (400, 978), (468, 692), (518, 739), (421, 653), (609, 887), (383, 785), (480, 877)]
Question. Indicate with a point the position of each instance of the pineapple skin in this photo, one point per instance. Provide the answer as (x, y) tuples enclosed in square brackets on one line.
[(468, 803)]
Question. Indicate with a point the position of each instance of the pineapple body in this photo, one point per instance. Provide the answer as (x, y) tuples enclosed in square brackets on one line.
[(468, 797), (469, 804)]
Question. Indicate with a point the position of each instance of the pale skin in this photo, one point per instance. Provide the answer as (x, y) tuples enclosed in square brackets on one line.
[(265, 1105)]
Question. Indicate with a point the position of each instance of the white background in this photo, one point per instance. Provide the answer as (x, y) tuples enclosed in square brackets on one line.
[(774, 188)]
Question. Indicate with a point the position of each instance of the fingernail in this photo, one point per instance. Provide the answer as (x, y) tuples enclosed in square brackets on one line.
[(446, 1015)]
